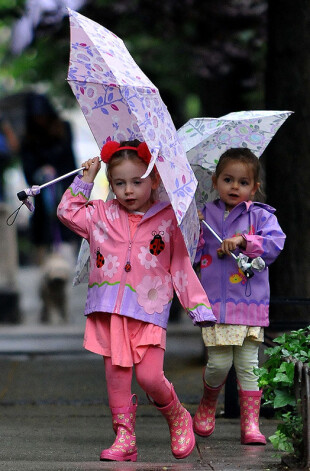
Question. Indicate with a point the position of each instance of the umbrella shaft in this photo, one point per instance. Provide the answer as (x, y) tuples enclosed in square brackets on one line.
[(217, 236), (62, 177)]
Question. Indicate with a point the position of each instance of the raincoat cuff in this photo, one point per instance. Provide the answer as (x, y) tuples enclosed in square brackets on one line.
[(78, 186), (254, 245), (202, 316)]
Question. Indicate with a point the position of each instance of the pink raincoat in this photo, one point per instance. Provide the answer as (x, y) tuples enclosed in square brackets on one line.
[(134, 277)]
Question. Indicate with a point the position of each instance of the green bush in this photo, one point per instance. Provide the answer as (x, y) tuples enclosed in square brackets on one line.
[(276, 377)]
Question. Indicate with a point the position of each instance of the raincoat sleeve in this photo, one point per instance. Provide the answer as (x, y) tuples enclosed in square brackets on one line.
[(187, 286), (200, 246), (268, 241), (73, 210), (201, 243)]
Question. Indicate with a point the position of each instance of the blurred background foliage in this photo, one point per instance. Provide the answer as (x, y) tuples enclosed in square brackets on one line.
[(207, 59)]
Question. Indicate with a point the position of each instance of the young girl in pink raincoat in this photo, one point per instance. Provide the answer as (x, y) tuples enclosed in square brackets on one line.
[(138, 257)]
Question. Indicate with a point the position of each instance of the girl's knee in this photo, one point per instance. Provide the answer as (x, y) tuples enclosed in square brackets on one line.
[(156, 386), (215, 376), (218, 363), (144, 383), (147, 379)]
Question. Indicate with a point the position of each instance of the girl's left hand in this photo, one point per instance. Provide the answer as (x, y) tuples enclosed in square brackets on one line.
[(229, 245), (200, 215)]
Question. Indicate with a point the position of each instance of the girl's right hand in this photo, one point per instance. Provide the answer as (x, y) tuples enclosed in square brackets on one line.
[(200, 215), (91, 168), (229, 245)]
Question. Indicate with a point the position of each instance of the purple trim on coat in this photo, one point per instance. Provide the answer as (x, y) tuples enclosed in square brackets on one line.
[(79, 186), (101, 298), (200, 316), (131, 308), (155, 208), (243, 314)]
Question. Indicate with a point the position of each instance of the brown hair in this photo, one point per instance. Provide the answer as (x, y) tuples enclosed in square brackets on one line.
[(245, 156), (129, 154)]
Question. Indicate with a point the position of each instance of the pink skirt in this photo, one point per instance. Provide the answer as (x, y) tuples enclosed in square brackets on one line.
[(124, 339)]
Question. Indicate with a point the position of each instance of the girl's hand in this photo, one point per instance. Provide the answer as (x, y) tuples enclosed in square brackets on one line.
[(229, 245), (91, 168), (200, 215)]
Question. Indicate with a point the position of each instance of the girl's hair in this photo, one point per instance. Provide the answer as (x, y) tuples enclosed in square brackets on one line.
[(245, 156), (128, 154)]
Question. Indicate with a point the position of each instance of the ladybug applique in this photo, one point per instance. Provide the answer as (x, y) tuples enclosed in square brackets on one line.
[(99, 259), (157, 244)]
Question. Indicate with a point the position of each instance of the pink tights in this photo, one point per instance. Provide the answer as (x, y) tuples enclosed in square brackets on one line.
[(149, 374)]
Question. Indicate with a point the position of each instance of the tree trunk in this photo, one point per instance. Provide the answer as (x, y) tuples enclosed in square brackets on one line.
[(287, 160)]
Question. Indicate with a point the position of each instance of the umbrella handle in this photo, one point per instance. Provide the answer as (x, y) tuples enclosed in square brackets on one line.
[(35, 189), (24, 195)]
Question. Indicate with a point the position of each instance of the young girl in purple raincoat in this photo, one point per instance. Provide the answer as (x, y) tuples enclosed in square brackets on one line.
[(138, 258), (240, 304)]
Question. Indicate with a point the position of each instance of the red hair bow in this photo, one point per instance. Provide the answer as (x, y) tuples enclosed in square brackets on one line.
[(111, 147)]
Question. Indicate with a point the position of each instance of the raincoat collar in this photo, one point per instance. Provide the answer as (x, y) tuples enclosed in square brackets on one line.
[(154, 209), (244, 206)]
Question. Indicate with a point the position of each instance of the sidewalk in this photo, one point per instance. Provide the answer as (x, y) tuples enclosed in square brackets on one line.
[(54, 416), (54, 413)]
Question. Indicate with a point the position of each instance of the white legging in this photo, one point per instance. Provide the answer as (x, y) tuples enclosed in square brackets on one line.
[(244, 358)]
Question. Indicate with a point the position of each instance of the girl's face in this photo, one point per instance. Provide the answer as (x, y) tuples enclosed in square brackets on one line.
[(235, 184), (132, 191)]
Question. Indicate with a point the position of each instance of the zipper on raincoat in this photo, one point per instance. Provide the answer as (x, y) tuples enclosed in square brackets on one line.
[(126, 269), (223, 281)]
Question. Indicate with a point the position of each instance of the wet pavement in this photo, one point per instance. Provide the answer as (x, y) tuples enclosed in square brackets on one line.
[(53, 401)]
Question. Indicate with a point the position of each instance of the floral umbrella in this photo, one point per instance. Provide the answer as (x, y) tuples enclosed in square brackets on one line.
[(205, 139), (120, 103)]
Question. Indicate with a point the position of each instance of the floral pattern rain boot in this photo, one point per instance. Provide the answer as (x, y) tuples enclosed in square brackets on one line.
[(181, 427), (249, 416), (124, 421), (204, 419)]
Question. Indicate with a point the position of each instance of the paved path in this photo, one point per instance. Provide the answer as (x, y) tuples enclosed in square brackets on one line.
[(54, 416), (53, 402)]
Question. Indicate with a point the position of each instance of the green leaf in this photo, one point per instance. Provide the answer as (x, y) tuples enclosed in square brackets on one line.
[(286, 373), (286, 353), (283, 398), (281, 339), (281, 442), (282, 378)]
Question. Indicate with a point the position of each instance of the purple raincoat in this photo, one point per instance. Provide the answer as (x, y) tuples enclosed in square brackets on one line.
[(235, 299)]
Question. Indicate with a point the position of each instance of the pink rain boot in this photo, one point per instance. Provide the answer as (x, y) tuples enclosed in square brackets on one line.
[(204, 419), (181, 427), (249, 415), (124, 421)]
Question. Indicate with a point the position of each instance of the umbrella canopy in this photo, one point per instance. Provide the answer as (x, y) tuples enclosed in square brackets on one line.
[(205, 140), (120, 103)]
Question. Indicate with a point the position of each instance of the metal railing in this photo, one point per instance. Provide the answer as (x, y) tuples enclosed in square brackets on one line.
[(302, 394)]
